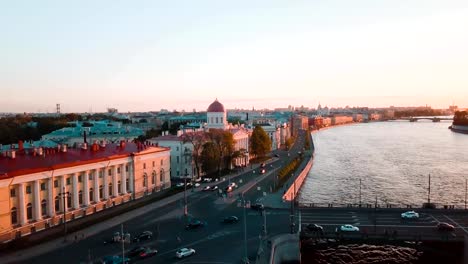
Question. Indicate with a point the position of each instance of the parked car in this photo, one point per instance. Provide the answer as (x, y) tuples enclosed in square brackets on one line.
[(134, 252), (410, 215), (349, 228), (230, 219), (257, 206), (214, 188), (197, 184), (194, 225), (233, 185), (184, 252), (443, 226), (180, 184), (314, 228), (148, 252), (263, 165), (262, 171), (145, 235), (276, 155), (207, 179), (206, 188)]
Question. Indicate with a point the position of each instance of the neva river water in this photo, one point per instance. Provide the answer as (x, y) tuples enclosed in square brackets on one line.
[(393, 161)]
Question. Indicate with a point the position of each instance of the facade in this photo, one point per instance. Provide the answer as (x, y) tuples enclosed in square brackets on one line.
[(38, 189), (241, 137), (181, 155), (299, 122), (341, 119)]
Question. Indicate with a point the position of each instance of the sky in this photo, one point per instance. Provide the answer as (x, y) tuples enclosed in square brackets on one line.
[(181, 55)]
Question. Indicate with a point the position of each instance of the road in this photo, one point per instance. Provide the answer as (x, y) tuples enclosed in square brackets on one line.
[(214, 243)]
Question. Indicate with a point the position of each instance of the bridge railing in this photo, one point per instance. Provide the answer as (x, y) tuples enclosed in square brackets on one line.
[(383, 205)]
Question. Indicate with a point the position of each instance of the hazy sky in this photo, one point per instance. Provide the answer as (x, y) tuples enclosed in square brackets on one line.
[(148, 55)]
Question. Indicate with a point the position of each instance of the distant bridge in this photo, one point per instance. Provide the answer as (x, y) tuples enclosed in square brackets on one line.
[(433, 119)]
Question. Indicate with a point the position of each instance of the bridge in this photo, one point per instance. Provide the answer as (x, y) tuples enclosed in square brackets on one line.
[(431, 118)]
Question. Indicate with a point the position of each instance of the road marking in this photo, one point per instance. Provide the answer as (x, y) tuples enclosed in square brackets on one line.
[(456, 223)]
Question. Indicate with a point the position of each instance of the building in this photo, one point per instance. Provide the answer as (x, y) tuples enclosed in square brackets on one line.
[(216, 116), (95, 130), (299, 122), (341, 119), (274, 134), (39, 189)]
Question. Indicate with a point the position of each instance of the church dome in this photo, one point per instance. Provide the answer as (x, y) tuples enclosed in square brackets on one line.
[(216, 107)]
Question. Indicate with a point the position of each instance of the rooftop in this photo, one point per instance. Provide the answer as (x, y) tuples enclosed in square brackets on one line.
[(26, 162)]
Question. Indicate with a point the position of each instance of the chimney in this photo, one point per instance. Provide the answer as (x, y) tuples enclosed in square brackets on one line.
[(103, 143), (64, 148), (20, 145), (84, 146), (13, 154), (41, 151)]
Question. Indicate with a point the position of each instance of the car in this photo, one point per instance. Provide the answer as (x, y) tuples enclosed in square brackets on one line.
[(197, 184), (257, 206), (276, 155), (135, 251), (194, 225), (262, 171), (206, 188), (145, 235), (197, 180), (114, 260), (314, 228), (349, 228), (116, 237), (214, 188), (180, 184), (230, 219), (410, 215), (443, 226), (229, 189), (184, 252), (233, 185), (207, 179), (263, 165), (148, 252)]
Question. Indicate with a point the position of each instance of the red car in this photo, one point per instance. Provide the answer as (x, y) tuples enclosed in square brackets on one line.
[(149, 252), (442, 226)]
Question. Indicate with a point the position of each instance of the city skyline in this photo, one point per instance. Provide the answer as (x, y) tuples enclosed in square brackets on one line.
[(152, 56)]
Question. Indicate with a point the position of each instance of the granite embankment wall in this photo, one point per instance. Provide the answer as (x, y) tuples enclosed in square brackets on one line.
[(296, 183)]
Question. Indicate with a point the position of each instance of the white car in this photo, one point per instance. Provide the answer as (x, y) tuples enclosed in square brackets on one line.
[(207, 188), (232, 185), (349, 228), (185, 252), (410, 215)]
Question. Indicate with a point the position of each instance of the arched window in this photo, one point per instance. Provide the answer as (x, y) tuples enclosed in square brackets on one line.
[(127, 186), (91, 194), (153, 178), (110, 189), (161, 176), (145, 180), (80, 197), (14, 216), (57, 203), (29, 211), (44, 207), (101, 189)]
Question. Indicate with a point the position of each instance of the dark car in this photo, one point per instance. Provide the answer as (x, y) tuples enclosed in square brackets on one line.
[(231, 219), (148, 252), (442, 226), (145, 235), (134, 252), (276, 155), (314, 228), (263, 165), (257, 206), (194, 225)]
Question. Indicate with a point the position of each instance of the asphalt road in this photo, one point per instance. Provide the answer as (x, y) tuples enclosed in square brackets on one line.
[(214, 243)]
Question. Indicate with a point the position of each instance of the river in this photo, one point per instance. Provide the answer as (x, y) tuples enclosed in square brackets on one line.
[(393, 161)]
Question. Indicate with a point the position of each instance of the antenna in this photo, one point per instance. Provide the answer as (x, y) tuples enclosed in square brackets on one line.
[(58, 108)]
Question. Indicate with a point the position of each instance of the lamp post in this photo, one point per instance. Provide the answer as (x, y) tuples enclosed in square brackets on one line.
[(246, 258), (185, 195), (64, 195), (429, 191), (360, 201)]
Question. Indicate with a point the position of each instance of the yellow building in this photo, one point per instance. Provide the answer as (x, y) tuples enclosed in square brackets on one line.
[(38, 186)]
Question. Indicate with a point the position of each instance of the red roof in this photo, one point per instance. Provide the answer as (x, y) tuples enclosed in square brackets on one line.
[(27, 163), (216, 107)]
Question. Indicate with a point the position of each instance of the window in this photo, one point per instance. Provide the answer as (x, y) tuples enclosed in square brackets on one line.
[(177, 159), (221, 119), (13, 192), (80, 197), (127, 184), (216, 120), (80, 178), (110, 189), (153, 179), (57, 203), (126, 168), (68, 181), (119, 187), (145, 180), (109, 172), (118, 170), (14, 216), (161, 176), (144, 165), (100, 192), (55, 183), (29, 211), (91, 194), (69, 201), (90, 176), (28, 189), (44, 207), (43, 186), (154, 163), (162, 161), (101, 173), (177, 148)]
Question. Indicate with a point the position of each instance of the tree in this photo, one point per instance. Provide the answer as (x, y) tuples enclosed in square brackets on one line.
[(197, 139), (209, 157), (224, 143), (260, 142)]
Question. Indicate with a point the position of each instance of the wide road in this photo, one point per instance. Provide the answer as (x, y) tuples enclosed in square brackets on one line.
[(214, 243), (371, 222)]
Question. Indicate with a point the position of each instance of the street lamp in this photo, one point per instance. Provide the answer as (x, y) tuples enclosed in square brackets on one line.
[(64, 195), (246, 258)]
